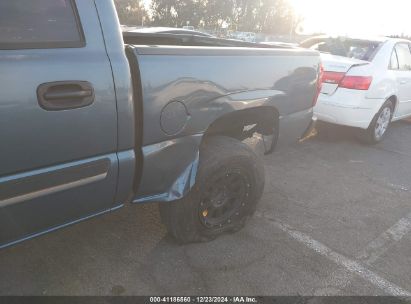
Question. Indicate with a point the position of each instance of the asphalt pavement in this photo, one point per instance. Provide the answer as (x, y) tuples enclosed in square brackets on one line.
[(335, 219)]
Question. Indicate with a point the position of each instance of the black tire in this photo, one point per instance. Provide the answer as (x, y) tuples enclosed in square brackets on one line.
[(370, 136), (215, 206)]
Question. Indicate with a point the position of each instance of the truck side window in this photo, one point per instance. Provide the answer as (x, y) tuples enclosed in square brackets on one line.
[(404, 56), (39, 24), (394, 61)]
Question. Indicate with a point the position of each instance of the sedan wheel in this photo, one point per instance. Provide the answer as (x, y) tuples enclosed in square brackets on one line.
[(382, 124), (379, 125)]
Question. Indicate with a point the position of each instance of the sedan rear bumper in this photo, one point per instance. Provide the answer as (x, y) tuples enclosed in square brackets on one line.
[(348, 108)]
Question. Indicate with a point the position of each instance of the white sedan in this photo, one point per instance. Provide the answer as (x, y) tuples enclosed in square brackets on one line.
[(366, 83)]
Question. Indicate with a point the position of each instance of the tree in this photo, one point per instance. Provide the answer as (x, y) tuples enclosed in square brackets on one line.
[(245, 13), (268, 16), (189, 12), (277, 16), (177, 13), (164, 13), (215, 13), (131, 12)]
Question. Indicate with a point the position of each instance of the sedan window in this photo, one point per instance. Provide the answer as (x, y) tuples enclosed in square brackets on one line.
[(404, 56), (346, 47), (394, 61)]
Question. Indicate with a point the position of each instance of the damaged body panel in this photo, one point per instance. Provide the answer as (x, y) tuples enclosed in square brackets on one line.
[(170, 169), (189, 92)]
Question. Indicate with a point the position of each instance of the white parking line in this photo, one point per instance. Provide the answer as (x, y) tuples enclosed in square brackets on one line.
[(341, 278), (382, 243), (350, 265), (392, 151)]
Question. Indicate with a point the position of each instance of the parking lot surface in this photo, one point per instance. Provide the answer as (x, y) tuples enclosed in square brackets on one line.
[(335, 219)]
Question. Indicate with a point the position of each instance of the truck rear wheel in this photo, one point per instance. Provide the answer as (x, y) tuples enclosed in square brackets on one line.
[(229, 184)]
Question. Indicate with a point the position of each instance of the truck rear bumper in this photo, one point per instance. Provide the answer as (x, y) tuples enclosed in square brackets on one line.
[(295, 126)]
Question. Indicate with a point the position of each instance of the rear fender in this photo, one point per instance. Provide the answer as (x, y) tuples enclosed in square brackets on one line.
[(170, 167), (204, 116)]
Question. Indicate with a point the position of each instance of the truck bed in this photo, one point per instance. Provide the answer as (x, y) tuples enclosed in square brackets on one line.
[(184, 89), (200, 76)]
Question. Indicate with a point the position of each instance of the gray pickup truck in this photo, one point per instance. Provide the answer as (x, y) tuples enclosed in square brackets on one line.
[(91, 120)]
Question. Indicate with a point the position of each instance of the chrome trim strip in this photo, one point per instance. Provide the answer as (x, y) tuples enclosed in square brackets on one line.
[(51, 190)]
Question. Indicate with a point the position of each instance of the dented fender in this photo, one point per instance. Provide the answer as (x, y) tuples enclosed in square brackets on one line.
[(169, 169)]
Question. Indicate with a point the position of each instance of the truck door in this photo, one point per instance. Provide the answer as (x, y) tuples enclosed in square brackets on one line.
[(58, 121)]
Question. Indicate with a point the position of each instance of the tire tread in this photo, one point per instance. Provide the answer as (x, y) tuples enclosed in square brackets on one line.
[(181, 218)]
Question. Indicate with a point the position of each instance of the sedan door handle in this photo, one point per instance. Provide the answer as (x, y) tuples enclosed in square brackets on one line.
[(65, 95), (403, 82)]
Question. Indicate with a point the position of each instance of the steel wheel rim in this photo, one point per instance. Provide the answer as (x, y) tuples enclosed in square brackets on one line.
[(382, 123), (224, 200)]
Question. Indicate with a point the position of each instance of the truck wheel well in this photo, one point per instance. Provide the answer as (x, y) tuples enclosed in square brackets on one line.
[(243, 124)]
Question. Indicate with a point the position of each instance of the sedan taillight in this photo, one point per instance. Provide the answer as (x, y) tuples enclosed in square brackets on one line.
[(356, 82), (320, 82), (348, 82), (333, 77)]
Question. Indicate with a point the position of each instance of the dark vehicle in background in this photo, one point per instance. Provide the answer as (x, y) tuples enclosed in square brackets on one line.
[(89, 124), (167, 30), (280, 44)]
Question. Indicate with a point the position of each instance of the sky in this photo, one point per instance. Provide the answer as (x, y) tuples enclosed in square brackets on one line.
[(358, 17), (353, 17)]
